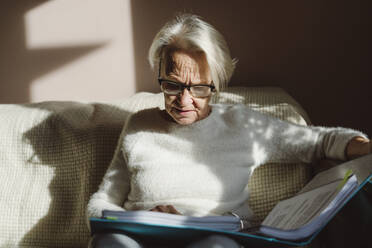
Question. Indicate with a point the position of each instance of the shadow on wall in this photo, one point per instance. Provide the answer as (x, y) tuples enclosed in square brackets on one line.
[(318, 51), (20, 65), (77, 141)]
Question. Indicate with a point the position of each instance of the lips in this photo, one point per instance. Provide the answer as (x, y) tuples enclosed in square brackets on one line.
[(183, 111)]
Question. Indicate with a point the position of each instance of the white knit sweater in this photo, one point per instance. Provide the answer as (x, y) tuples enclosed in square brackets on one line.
[(204, 168)]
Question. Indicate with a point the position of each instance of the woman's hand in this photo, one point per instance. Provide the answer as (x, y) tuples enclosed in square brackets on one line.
[(357, 147), (165, 209)]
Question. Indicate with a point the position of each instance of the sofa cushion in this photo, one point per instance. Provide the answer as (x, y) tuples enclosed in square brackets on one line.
[(53, 156)]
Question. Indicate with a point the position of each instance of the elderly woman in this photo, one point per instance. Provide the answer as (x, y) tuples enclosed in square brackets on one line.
[(195, 158)]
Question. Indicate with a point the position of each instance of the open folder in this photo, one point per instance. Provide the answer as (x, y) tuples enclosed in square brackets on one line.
[(292, 222)]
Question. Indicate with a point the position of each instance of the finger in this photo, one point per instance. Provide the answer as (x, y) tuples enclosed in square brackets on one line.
[(155, 209), (172, 209), (162, 208)]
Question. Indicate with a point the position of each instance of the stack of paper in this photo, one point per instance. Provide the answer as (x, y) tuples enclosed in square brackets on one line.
[(226, 223)]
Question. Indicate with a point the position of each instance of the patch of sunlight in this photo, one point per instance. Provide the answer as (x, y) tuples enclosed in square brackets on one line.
[(70, 23), (227, 97), (80, 45), (269, 133), (297, 135), (258, 153)]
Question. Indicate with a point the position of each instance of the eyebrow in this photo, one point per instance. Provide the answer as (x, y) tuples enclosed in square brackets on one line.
[(170, 78)]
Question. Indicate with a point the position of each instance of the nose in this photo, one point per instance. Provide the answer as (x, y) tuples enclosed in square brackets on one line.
[(185, 97)]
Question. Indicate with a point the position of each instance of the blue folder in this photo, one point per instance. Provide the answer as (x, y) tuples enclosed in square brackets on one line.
[(186, 234)]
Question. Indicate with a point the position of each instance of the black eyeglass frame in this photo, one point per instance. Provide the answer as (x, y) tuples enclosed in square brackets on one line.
[(182, 85)]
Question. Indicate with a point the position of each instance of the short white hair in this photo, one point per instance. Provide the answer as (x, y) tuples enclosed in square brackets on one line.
[(190, 32)]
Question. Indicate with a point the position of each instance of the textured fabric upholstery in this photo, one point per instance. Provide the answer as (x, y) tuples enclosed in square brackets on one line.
[(53, 156)]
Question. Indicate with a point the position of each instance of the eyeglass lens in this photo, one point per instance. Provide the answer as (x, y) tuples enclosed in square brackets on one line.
[(172, 88)]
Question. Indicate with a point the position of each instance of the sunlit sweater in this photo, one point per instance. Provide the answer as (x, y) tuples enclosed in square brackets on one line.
[(203, 168)]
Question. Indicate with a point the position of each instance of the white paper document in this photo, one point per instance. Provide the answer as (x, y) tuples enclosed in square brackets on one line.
[(300, 216)]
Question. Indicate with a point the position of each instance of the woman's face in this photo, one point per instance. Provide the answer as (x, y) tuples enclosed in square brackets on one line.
[(189, 68)]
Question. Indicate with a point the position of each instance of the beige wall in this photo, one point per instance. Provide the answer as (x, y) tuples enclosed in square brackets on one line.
[(66, 50), (95, 50)]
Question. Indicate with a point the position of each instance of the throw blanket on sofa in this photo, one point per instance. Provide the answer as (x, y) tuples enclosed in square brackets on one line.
[(53, 156)]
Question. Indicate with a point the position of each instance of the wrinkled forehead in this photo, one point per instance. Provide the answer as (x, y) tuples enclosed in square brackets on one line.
[(176, 60)]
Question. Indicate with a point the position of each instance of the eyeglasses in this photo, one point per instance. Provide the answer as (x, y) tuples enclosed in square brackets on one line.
[(175, 88)]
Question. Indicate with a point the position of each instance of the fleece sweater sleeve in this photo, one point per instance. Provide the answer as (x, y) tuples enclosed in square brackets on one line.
[(333, 141), (295, 143), (114, 187)]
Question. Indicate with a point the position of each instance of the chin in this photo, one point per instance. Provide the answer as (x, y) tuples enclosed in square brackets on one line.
[(185, 121)]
